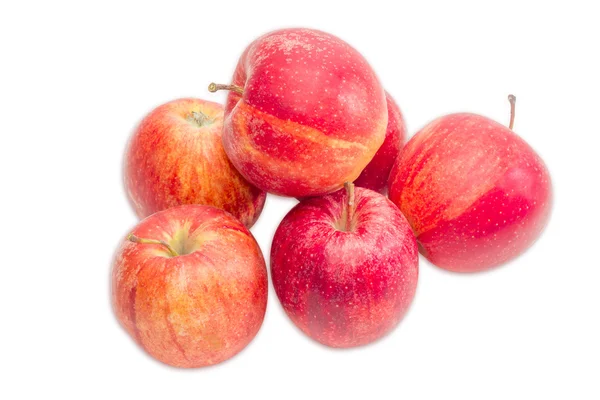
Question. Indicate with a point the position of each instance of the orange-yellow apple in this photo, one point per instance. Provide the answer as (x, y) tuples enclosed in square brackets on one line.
[(305, 113), (176, 157), (189, 284)]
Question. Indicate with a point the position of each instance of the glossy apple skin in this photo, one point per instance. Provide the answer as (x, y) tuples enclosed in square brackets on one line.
[(311, 117), (345, 288), (172, 160), (196, 309), (475, 193), (376, 173)]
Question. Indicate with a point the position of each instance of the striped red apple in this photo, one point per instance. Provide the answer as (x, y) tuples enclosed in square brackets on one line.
[(475, 193), (305, 113), (189, 284), (176, 157)]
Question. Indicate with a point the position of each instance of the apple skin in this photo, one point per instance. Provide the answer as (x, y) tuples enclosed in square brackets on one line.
[(174, 159), (345, 288), (475, 193), (376, 173), (201, 307), (311, 117)]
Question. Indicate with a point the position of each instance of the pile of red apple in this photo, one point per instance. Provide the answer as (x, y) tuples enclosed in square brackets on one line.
[(307, 117)]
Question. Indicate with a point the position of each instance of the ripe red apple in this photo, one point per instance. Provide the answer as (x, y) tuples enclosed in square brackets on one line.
[(305, 113), (345, 266), (176, 157), (376, 173), (474, 192), (189, 284)]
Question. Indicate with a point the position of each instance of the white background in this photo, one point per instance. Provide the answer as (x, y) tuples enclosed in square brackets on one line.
[(75, 79)]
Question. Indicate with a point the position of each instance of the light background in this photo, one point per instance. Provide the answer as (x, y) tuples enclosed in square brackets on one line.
[(75, 78)]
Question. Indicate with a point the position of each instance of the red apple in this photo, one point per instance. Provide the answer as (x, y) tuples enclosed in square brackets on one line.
[(474, 192), (345, 266), (376, 173), (189, 284), (305, 114), (176, 157)]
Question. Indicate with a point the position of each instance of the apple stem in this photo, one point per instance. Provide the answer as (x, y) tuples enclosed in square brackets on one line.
[(350, 207), (136, 239), (213, 87), (513, 100)]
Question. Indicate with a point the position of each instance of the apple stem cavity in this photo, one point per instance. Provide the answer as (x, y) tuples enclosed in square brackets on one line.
[(213, 87), (512, 100), (348, 217), (199, 118), (135, 239)]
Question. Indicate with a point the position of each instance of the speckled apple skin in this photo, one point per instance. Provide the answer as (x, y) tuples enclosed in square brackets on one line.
[(475, 193), (345, 289), (197, 309), (311, 117), (172, 161), (376, 173)]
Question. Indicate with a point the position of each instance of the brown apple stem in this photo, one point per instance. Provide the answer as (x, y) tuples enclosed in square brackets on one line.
[(213, 87), (136, 239), (350, 206), (513, 100)]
